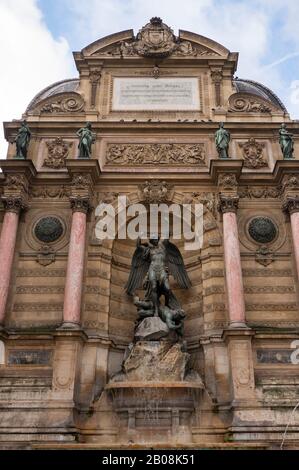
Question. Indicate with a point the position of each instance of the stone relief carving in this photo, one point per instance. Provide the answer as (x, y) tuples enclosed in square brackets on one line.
[(53, 193), (260, 193), (264, 255), (58, 151), (253, 154), (156, 39), (150, 154), (248, 104), (228, 204), (61, 103), (46, 255), (155, 191), (227, 181), (290, 182), (208, 200), (16, 182)]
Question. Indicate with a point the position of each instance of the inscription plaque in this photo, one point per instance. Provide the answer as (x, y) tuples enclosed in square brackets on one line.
[(150, 94)]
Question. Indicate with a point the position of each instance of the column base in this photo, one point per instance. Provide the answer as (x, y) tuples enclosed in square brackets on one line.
[(238, 325), (69, 326)]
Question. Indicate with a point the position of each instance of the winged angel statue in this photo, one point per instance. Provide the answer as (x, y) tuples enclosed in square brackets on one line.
[(152, 263)]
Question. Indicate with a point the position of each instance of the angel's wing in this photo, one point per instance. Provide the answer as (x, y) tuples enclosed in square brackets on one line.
[(139, 268), (176, 265)]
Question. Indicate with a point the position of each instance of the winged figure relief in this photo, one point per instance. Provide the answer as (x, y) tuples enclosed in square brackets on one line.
[(152, 263)]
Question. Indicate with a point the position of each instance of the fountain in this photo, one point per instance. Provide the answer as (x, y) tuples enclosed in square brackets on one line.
[(156, 391)]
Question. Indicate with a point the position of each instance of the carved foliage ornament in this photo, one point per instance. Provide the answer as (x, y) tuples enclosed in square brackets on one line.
[(253, 154), (259, 193), (155, 191), (61, 103), (152, 154), (58, 151), (248, 104), (227, 181), (228, 204)]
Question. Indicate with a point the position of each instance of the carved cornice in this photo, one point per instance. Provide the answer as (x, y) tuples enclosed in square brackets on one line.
[(228, 203)]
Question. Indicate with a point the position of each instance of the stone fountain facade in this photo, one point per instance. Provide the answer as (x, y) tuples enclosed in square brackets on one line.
[(66, 321)]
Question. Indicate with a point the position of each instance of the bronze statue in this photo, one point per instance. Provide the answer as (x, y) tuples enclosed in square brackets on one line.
[(151, 264), (222, 140), (286, 142), (22, 141), (87, 138)]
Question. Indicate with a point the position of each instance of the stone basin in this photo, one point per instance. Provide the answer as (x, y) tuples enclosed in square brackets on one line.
[(162, 409)]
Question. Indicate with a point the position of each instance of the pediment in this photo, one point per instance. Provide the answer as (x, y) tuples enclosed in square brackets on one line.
[(156, 40)]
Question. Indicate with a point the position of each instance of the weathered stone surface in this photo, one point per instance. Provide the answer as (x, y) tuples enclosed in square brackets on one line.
[(151, 329), (156, 361)]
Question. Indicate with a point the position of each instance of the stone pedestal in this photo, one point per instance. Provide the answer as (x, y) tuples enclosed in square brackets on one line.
[(241, 366)]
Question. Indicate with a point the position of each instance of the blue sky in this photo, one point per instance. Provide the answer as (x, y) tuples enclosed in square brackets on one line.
[(264, 32)]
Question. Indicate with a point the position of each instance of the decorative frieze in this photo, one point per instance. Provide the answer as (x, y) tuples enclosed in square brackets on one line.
[(156, 154), (57, 192), (40, 290), (38, 307), (267, 273), (290, 307), (260, 193), (41, 273)]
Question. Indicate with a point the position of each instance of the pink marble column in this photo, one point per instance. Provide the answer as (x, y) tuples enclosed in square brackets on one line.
[(295, 235), (232, 259), (291, 206), (7, 251), (75, 269)]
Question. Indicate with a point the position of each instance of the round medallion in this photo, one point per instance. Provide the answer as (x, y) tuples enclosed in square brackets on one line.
[(48, 229), (262, 230)]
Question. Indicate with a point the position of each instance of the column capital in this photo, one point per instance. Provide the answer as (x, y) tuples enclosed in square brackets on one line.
[(80, 204), (291, 204), (15, 203), (228, 203)]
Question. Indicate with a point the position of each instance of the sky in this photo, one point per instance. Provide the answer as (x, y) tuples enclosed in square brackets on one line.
[(37, 38)]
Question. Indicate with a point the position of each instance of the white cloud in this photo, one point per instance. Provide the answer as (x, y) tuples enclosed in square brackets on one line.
[(31, 58)]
